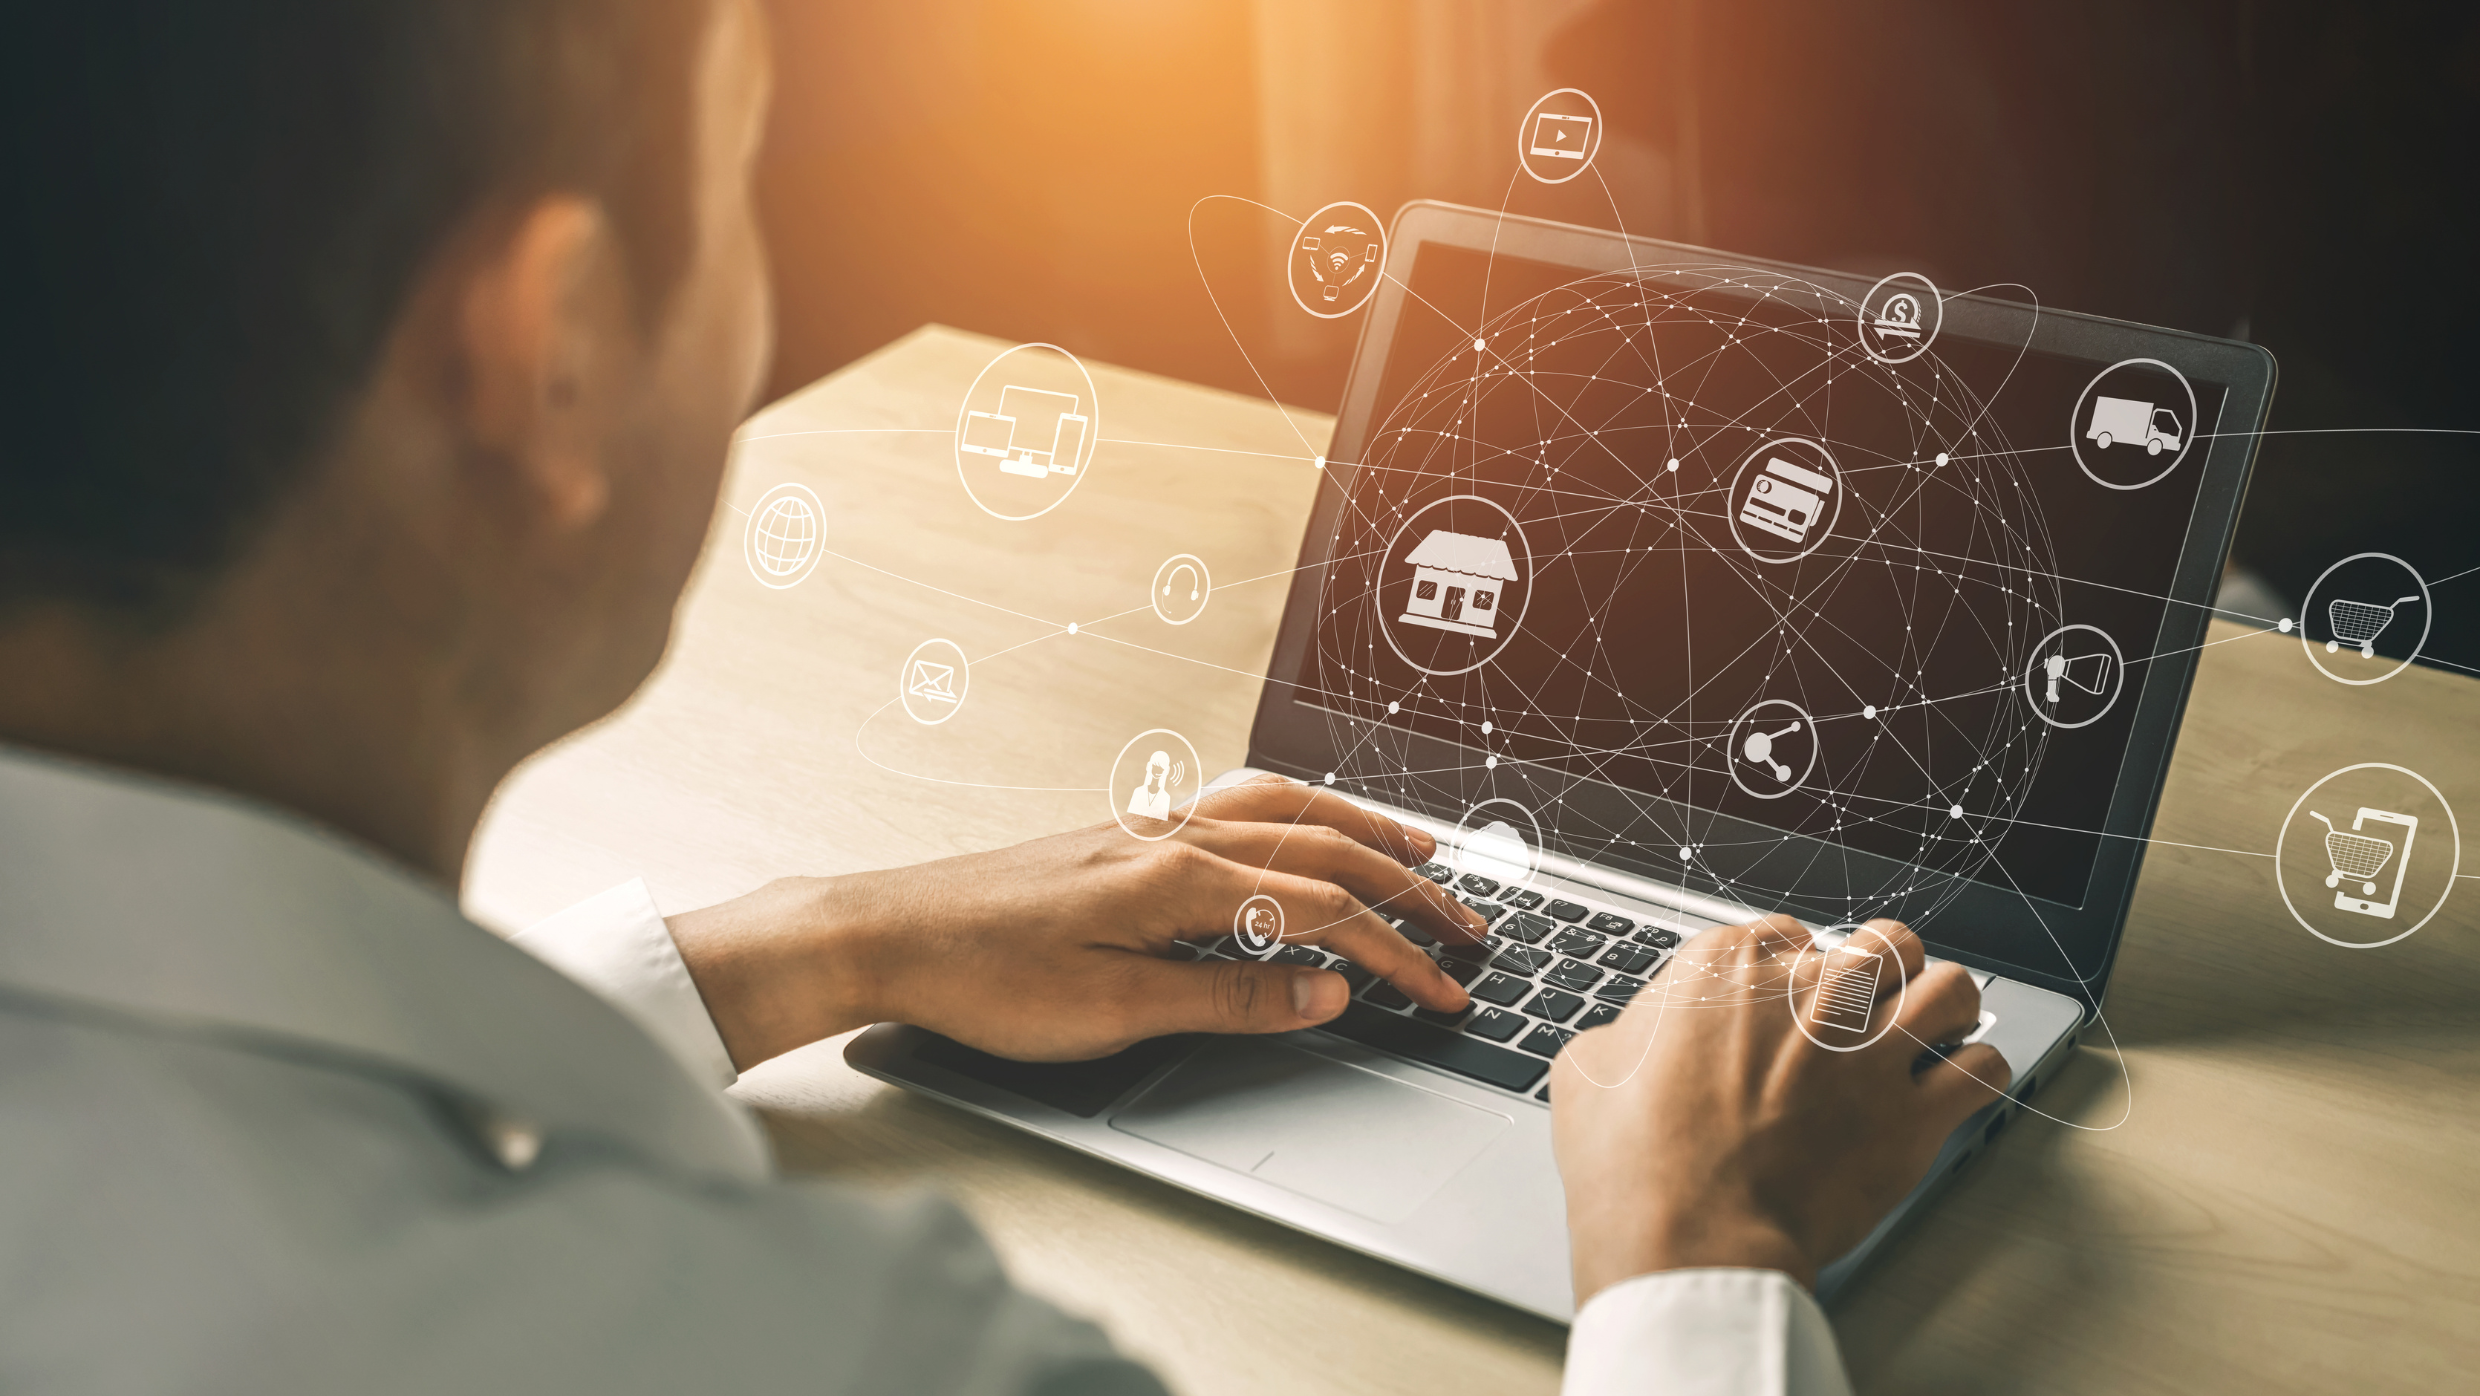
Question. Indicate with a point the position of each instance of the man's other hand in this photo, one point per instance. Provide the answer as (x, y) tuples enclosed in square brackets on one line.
[(1707, 1127), (1057, 950)]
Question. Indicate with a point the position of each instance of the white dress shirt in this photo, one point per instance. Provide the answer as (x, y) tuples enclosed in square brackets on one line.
[(275, 1117)]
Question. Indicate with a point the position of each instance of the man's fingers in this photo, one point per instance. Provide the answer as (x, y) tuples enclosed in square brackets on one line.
[(1317, 912), (1968, 1079), (1893, 940), (1277, 800), (1942, 1004), (1230, 996), (1316, 851)]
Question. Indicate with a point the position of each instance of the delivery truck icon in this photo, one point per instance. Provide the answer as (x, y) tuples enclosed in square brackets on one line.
[(2116, 419), (1785, 500)]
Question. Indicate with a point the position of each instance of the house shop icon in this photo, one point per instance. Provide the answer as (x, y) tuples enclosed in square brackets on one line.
[(1457, 583)]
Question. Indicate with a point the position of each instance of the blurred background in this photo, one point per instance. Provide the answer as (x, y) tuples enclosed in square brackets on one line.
[(2298, 175)]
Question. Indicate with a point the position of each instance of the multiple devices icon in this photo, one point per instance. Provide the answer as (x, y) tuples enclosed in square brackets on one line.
[(1035, 433)]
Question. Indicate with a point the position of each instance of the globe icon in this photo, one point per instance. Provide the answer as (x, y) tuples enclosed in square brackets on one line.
[(787, 535)]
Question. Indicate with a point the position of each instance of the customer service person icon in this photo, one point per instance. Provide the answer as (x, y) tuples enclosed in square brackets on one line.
[(1152, 797)]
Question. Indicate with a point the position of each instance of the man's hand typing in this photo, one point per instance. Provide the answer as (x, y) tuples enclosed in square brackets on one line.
[(1056, 950)]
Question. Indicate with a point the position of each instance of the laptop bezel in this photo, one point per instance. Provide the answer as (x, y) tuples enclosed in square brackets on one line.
[(1990, 928)]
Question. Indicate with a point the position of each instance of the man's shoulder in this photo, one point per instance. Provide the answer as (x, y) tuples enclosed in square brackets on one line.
[(246, 1210)]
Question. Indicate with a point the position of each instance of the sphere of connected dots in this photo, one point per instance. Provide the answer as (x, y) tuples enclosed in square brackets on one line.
[(1614, 418)]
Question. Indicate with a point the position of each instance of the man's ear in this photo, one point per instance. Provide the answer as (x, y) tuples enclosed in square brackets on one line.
[(542, 328)]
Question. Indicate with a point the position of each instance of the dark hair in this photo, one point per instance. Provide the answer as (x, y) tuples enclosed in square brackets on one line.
[(219, 209)]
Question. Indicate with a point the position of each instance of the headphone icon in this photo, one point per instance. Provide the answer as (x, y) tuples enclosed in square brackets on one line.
[(1167, 584)]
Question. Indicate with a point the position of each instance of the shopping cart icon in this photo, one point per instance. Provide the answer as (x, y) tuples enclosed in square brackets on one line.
[(2360, 623), (2355, 856)]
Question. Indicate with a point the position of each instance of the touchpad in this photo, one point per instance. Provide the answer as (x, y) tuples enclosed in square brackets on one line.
[(1354, 1139)]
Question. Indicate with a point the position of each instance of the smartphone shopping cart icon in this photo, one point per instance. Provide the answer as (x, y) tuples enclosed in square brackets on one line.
[(1785, 500), (2360, 857)]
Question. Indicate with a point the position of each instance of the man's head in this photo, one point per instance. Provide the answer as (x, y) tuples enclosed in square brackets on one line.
[(379, 353)]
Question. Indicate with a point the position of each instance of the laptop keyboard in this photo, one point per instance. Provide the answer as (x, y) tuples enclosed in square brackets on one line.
[(1550, 969)]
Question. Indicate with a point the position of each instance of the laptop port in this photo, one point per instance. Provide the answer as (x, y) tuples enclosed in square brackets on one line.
[(1996, 1123)]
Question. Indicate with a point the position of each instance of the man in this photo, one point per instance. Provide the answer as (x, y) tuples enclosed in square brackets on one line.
[(370, 377)]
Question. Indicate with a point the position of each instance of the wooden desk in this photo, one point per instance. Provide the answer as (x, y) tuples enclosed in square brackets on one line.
[(2289, 1208)]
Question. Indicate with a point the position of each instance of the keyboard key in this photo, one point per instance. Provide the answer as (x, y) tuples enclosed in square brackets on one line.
[(1572, 974), (1496, 1024), (1597, 1015), (1619, 988), (1385, 995), (1476, 884), (1584, 945), (1405, 927), (1527, 899), (1627, 959), (1179, 951), (1546, 1040), (1565, 911), (1490, 911), (1297, 955), (1518, 959), (1353, 975), (1529, 928), (1658, 938), (1556, 1006), (1462, 971), (1610, 923), (1444, 1020), (1432, 1046), (1505, 990), (1435, 872), (1542, 1095)]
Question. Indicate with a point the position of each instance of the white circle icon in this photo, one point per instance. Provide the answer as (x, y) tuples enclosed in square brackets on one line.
[(1899, 318), (2126, 431), (1025, 434), (786, 532), (2361, 607), (1454, 584), (1846, 1011), (1336, 259), (1773, 748), (2373, 840), (1785, 500), (1155, 778), (1258, 925), (1181, 588), (933, 683), (1560, 136), (2075, 676)]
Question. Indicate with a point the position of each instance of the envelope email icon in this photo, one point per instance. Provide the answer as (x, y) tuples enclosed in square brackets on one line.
[(937, 681)]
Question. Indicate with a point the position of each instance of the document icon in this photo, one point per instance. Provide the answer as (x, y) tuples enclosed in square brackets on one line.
[(934, 681), (1847, 992)]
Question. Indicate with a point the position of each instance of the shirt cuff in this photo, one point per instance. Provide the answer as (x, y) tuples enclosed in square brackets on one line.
[(1704, 1333), (617, 945)]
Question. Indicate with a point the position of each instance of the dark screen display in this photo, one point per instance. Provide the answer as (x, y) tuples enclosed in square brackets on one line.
[(1672, 530)]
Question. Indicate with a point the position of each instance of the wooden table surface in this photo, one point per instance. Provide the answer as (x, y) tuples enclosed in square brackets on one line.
[(2288, 1206)]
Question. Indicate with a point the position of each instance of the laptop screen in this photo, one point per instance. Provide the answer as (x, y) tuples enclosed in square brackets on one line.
[(1676, 531)]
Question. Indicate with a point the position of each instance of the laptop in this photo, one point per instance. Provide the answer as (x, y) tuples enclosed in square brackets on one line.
[(1665, 590)]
